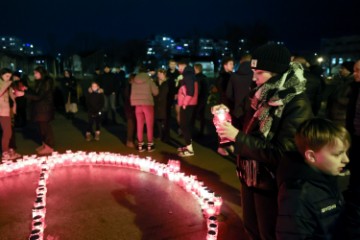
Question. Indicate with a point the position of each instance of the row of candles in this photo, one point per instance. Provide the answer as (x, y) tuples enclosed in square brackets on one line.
[(209, 202)]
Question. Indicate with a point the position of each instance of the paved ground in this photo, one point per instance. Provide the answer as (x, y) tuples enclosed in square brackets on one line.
[(109, 203)]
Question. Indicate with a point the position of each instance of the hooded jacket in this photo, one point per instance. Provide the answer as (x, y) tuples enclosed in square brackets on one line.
[(310, 203), (188, 91), (238, 88), (142, 90)]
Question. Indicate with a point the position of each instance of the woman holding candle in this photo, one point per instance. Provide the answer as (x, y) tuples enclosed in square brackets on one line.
[(277, 106), (42, 108)]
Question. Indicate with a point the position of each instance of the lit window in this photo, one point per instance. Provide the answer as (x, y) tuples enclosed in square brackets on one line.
[(341, 60), (333, 61)]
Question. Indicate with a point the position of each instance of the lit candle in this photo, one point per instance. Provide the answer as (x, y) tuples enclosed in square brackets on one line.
[(211, 235)]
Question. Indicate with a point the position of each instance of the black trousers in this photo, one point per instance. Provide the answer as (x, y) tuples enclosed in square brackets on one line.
[(46, 133), (259, 212), (93, 118), (186, 116)]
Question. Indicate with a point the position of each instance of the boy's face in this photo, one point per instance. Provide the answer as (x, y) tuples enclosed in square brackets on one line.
[(331, 159), (181, 67), (94, 87)]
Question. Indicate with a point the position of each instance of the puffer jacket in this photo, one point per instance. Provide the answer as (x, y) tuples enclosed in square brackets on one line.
[(310, 204), (142, 90), (41, 97), (268, 153), (4, 98)]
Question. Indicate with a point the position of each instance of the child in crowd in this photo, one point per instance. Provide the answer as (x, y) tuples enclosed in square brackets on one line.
[(310, 203), (160, 106), (95, 103)]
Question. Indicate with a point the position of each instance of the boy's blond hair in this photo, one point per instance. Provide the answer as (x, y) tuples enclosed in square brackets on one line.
[(315, 133)]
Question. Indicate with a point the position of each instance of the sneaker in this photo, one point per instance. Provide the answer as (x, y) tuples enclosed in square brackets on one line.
[(97, 136), (186, 153), (150, 147), (180, 149), (141, 147), (14, 155), (130, 144), (40, 147), (222, 151), (47, 150), (6, 156), (88, 137)]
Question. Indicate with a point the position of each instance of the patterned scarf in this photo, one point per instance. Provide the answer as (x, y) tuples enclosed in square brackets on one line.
[(270, 99)]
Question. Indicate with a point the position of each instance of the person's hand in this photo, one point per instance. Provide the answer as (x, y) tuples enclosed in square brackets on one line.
[(19, 93), (184, 107), (227, 130)]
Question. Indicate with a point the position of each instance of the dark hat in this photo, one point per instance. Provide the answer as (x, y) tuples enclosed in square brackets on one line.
[(184, 61), (271, 57), (349, 65), (17, 74)]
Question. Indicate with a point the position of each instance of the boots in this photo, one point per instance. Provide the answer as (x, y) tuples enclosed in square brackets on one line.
[(97, 136), (88, 136)]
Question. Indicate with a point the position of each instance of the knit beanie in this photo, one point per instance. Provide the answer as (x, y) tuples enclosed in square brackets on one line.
[(349, 65), (271, 57)]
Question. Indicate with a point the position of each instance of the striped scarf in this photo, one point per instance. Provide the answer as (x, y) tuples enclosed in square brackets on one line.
[(270, 99)]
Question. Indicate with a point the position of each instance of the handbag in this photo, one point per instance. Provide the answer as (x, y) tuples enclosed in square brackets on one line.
[(71, 107)]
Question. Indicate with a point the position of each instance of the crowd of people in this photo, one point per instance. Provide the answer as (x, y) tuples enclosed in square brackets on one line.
[(287, 157)]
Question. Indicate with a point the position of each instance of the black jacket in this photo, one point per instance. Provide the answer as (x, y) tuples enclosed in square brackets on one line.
[(95, 102), (41, 97), (221, 84), (313, 90), (268, 153), (203, 88), (160, 101), (310, 203), (70, 89), (238, 88), (171, 77), (108, 83)]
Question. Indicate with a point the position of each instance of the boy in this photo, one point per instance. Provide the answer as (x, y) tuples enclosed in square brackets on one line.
[(95, 102), (310, 203)]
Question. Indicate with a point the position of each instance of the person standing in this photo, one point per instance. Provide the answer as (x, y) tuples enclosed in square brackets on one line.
[(42, 108), (187, 101), (221, 84), (160, 106), (19, 83), (95, 102), (107, 82), (129, 112), (202, 98), (172, 78), (277, 106), (142, 91), (70, 91), (6, 92)]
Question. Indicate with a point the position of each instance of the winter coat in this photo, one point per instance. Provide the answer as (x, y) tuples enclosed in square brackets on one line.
[(41, 97), (108, 83), (238, 88), (171, 78), (221, 84), (5, 93), (203, 89), (313, 90), (268, 153), (338, 101), (161, 101), (95, 101), (188, 91), (142, 90), (354, 90), (70, 89), (310, 203)]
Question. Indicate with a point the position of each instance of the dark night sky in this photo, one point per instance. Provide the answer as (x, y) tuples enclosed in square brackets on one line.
[(300, 24)]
